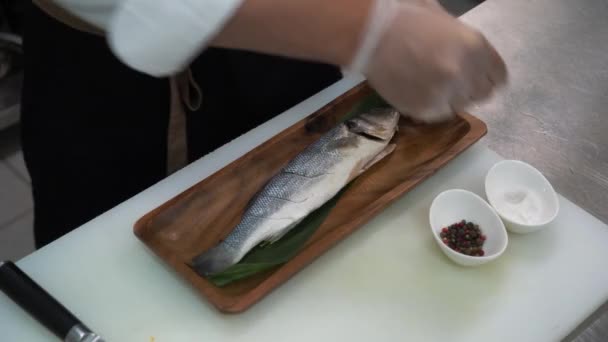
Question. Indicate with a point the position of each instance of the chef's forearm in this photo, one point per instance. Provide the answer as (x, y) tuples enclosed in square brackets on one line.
[(321, 30), (160, 37)]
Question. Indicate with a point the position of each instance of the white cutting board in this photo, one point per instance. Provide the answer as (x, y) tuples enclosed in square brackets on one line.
[(386, 282)]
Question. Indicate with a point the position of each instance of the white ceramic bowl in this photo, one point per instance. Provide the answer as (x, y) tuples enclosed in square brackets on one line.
[(521, 195), (453, 206)]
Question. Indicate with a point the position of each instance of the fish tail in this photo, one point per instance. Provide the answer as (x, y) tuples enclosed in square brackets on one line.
[(213, 261)]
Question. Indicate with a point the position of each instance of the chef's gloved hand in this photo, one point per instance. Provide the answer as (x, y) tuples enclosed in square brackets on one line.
[(425, 62)]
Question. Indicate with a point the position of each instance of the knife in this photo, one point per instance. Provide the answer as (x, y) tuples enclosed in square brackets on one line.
[(42, 306)]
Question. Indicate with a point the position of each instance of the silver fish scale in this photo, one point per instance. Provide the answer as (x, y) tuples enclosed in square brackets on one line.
[(288, 186), (317, 158), (242, 231), (265, 206)]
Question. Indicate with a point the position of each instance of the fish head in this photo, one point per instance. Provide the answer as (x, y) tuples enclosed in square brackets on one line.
[(378, 124)]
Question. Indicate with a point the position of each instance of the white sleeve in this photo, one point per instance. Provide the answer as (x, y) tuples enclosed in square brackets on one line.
[(97, 12), (160, 37)]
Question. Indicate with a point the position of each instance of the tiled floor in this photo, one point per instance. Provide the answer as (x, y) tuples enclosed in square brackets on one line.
[(16, 215)]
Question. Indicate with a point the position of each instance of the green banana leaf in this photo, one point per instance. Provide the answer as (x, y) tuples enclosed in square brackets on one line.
[(267, 256), (368, 103)]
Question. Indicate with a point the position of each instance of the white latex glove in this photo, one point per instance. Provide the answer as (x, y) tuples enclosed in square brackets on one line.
[(424, 62)]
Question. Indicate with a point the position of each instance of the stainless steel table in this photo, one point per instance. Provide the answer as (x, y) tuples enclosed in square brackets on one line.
[(554, 113)]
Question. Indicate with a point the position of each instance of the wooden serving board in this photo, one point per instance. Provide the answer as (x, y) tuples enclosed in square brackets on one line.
[(201, 216)]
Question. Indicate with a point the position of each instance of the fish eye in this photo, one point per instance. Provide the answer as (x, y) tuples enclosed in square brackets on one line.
[(350, 124)]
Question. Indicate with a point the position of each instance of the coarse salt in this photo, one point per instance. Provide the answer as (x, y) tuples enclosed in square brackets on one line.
[(521, 205)]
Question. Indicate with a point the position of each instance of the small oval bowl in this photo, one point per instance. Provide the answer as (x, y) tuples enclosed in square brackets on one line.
[(455, 205), (512, 176)]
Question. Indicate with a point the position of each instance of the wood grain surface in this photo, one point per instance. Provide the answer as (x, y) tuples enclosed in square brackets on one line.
[(201, 216)]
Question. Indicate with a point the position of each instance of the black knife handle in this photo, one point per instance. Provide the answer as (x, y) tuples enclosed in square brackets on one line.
[(34, 299)]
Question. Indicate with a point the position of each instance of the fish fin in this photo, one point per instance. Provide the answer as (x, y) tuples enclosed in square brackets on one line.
[(214, 260), (387, 150), (277, 236)]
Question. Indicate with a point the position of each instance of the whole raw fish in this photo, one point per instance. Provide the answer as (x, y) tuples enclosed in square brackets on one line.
[(312, 178)]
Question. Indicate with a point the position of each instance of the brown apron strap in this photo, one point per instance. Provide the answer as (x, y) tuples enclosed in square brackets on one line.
[(188, 90), (66, 17), (184, 91)]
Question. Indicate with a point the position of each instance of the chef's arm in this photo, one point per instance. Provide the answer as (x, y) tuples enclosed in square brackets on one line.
[(423, 61), (320, 30), (161, 37)]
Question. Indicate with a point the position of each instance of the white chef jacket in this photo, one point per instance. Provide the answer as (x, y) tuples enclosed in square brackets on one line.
[(156, 37)]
